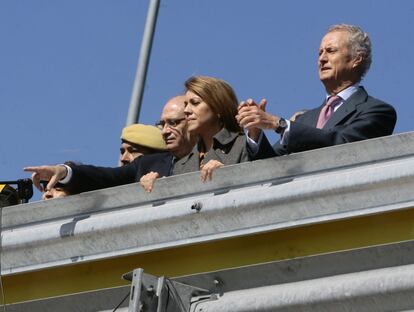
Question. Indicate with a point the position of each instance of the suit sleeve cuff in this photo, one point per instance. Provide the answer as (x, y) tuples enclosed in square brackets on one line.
[(253, 145), (68, 177), (285, 135)]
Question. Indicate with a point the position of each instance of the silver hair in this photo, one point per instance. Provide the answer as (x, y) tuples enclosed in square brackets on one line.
[(359, 43)]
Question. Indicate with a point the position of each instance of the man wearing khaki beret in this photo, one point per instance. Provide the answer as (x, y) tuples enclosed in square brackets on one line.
[(138, 140)]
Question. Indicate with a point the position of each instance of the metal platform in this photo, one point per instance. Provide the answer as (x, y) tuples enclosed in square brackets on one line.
[(322, 201)]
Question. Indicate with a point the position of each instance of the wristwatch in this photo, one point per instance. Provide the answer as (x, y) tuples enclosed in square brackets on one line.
[(282, 125)]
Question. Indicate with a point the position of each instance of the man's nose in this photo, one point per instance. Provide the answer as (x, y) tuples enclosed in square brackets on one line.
[(322, 57), (124, 157), (165, 130), (47, 195)]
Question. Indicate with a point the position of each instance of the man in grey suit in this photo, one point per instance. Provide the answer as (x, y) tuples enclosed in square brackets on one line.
[(348, 113)]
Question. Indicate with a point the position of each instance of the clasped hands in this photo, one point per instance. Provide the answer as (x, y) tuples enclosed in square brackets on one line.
[(253, 117)]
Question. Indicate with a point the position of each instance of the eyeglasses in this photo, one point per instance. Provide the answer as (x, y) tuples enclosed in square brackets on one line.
[(171, 123)]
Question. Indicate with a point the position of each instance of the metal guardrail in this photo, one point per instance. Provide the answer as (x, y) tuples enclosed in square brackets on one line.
[(369, 279), (316, 187), (360, 176)]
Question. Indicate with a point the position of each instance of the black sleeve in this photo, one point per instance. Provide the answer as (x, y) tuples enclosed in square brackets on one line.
[(265, 150), (88, 178)]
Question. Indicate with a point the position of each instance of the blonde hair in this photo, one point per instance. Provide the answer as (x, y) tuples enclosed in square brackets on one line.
[(219, 96)]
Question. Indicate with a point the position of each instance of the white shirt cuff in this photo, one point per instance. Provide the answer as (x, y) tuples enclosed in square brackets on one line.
[(285, 134), (66, 179), (252, 144)]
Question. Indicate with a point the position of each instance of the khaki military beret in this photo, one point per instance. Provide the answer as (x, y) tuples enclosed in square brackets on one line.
[(144, 135)]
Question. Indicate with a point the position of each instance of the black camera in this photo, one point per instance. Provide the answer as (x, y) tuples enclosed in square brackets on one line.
[(10, 196)]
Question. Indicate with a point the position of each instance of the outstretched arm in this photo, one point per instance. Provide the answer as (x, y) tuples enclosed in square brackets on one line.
[(84, 178), (53, 174)]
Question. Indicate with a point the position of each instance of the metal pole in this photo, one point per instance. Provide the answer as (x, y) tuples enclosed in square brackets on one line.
[(139, 83)]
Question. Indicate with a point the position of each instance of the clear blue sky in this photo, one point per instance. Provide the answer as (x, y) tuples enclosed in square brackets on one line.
[(67, 67)]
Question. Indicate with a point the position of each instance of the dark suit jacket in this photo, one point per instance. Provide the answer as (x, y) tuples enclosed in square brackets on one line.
[(360, 117), (88, 178)]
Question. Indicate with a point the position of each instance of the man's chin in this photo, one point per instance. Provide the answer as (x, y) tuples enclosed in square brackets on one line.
[(325, 78), (323, 75), (171, 146)]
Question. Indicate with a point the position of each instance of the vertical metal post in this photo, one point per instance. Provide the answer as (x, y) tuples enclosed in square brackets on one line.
[(144, 56), (135, 295), (2, 299)]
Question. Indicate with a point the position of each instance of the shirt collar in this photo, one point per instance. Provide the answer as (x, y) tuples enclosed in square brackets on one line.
[(346, 93), (223, 137)]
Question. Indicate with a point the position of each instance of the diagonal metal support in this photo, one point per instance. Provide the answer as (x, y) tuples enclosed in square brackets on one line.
[(160, 294)]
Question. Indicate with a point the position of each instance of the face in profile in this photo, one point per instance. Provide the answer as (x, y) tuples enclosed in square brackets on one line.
[(200, 117), (335, 61), (173, 126), (55, 192), (128, 152)]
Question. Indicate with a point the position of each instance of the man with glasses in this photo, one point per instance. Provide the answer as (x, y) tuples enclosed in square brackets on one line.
[(83, 178)]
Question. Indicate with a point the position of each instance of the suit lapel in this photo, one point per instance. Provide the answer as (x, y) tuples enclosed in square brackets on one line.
[(348, 107), (314, 115), (310, 117)]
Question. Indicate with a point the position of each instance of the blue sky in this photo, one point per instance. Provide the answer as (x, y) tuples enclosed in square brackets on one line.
[(67, 67)]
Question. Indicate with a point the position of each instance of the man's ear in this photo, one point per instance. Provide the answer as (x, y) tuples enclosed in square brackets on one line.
[(358, 60)]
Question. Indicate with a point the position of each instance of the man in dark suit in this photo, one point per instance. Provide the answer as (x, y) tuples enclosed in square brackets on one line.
[(83, 178), (348, 114)]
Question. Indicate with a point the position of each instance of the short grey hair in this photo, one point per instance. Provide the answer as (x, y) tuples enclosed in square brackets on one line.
[(359, 43)]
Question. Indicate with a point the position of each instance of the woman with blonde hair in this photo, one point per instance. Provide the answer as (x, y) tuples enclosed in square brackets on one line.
[(211, 107)]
